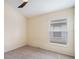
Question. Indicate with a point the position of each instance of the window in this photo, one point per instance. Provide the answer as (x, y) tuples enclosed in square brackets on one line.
[(58, 31)]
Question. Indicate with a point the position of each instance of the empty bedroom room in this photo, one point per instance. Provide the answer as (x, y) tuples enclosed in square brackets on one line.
[(39, 29)]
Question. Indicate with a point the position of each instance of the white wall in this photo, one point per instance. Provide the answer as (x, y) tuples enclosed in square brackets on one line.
[(15, 29), (38, 31)]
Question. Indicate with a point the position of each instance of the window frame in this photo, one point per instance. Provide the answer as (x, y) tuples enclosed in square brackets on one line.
[(64, 31)]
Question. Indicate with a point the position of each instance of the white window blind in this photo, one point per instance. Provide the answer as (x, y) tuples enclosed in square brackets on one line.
[(58, 31)]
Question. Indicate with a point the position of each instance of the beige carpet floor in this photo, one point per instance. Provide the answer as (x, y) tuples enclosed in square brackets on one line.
[(27, 52)]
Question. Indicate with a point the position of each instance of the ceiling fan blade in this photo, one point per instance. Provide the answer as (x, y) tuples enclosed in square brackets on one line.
[(22, 5)]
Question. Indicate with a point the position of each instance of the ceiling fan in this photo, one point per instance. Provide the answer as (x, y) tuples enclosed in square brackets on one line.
[(23, 4)]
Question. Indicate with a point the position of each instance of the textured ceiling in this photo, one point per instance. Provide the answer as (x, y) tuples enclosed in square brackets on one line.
[(37, 7)]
